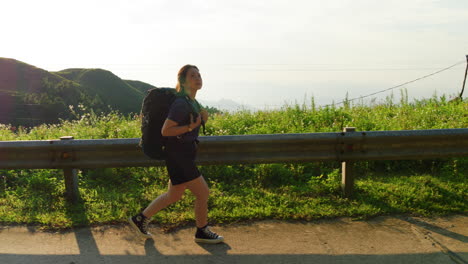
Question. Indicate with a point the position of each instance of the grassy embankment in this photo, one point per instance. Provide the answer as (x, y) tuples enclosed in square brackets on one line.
[(247, 192)]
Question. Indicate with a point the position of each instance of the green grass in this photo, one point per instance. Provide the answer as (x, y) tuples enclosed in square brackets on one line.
[(248, 192), (38, 199)]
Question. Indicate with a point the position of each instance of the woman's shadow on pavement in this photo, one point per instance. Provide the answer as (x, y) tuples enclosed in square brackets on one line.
[(214, 249)]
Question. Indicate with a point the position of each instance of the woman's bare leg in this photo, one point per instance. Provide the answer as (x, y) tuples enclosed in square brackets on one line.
[(200, 189), (173, 195)]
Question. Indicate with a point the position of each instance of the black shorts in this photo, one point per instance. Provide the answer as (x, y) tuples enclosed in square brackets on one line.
[(180, 161)]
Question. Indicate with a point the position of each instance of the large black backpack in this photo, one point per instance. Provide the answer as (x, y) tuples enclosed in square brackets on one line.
[(154, 111)]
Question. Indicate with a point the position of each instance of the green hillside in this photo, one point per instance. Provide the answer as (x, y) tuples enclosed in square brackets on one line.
[(31, 96), (141, 86), (107, 88)]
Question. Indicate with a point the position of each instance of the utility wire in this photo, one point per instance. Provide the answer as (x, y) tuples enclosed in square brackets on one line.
[(391, 88), (400, 85)]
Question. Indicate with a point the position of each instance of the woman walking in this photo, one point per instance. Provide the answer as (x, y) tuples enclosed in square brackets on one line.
[(181, 129)]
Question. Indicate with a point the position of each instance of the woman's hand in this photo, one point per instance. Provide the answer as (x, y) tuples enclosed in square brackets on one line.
[(197, 122)]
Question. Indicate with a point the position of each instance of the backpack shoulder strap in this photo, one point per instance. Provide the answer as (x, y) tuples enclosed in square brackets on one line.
[(203, 121), (187, 99)]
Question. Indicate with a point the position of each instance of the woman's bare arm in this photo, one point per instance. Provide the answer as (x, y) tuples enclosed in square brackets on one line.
[(172, 129)]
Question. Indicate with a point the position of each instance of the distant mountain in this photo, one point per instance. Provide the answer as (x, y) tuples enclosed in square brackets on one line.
[(30, 96)]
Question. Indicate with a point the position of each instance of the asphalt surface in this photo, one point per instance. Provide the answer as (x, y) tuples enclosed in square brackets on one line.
[(390, 239)]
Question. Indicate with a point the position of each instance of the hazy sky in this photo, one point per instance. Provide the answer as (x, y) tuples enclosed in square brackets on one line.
[(261, 53)]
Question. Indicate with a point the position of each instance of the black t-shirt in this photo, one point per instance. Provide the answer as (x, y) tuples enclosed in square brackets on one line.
[(180, 111)]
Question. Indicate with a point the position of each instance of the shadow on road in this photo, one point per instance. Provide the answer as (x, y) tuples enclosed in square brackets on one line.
[(89, 252), (89, 257), (436, 229)]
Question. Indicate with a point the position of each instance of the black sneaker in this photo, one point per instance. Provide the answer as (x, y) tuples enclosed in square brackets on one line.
[(205, 235), (140, 223)]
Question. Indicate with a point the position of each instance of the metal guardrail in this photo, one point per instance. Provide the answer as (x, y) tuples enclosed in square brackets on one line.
[(347, 146)]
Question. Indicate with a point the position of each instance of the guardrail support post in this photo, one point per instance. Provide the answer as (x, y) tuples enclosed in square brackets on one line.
[(347, 171), (71, 180)]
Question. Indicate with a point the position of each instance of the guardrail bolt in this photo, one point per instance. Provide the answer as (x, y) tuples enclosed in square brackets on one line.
[(71, 179), (347, 169)]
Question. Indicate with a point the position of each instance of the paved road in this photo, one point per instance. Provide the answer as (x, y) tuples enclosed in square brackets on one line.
[(394, 239)]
